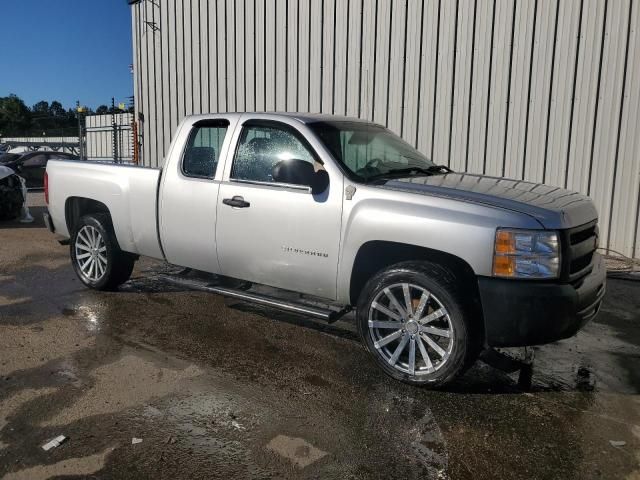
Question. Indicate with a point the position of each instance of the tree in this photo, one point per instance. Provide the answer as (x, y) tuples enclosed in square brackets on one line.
[(56, 109), (15, 117), (102, 110), (41, 108)]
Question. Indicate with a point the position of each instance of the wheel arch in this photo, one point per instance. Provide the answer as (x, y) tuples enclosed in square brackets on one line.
[(376, 255), (77, 207)]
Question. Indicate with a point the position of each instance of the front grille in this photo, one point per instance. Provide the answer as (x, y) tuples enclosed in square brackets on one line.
[(579, 245), (582, 235)]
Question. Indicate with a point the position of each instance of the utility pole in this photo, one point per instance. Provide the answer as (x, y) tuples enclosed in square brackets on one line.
[(114, 127), (80, 142)]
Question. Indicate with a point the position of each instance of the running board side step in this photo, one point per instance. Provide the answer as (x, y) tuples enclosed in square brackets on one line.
[(327, 315)]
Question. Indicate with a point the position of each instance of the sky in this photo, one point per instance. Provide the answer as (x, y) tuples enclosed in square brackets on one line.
[(66, 50)]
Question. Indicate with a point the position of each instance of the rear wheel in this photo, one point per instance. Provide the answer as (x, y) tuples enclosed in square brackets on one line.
[(413, 320), (96, 256)]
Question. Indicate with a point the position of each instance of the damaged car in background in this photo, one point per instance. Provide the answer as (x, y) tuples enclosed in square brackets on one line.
[(12, 194)]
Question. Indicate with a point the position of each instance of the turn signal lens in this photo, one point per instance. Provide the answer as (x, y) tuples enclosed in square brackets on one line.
[(503, 266), (505, 242), (526, 254)]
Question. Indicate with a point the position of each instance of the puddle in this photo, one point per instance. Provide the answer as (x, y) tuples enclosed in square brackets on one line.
[(24, 347), (10, 405), (127, 382), (72, 466)]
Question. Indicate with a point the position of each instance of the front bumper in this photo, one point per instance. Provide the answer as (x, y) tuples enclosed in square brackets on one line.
[(519, 313)]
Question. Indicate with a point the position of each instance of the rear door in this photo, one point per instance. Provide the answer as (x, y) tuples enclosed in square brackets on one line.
[(189, 193), (275, 233)]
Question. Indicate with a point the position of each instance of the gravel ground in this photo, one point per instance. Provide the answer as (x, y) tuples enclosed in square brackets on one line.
[(220, 389)]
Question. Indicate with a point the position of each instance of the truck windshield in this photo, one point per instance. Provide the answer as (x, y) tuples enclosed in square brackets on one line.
[(371, 152)]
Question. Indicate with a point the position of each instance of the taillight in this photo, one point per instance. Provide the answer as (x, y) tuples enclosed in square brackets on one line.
[(46, 188)]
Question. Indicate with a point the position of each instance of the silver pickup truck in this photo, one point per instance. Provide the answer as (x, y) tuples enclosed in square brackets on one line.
[(333, 213)]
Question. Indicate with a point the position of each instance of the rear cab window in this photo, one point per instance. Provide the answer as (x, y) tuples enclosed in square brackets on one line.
[(201, 154)]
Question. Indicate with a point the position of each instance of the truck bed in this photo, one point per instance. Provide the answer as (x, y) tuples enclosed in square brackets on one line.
[(129, 192)]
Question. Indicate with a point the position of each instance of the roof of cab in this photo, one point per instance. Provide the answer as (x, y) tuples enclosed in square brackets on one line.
[(302, 117)]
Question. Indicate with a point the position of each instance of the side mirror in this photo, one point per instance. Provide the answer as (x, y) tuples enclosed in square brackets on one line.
[(320, 182), (300, 172)]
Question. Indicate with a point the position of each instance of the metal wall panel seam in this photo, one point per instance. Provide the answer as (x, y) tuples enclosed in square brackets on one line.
[(553, 66), (235, 59), (498, 101), (559, 119), (171, 67), (453, 79), (508, 109), (333, 70), (622, 105), (375, 58), (388, 89), (486, 130), (286, 55), (197, 53), (595, 116), (361, 51), (146, 113), (435, 88), (346, 61), (573, 94), (163, 87), (473, 51), (526, 125)]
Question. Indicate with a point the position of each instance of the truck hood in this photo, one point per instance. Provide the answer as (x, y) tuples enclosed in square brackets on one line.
[(553, 207)]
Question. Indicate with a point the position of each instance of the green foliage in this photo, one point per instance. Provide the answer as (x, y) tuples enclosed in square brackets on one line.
[(43, 118), (15, 117)]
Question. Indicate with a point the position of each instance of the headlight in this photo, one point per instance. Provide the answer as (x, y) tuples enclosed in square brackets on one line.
[(526, 254)]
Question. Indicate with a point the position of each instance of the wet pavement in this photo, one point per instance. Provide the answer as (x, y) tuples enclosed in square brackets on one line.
[(221, 389)]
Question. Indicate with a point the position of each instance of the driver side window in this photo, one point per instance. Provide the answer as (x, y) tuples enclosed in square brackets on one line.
[(261, 148)]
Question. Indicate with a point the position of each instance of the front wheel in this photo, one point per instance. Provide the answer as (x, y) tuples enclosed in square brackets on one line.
[(96, 257), (411, 317)]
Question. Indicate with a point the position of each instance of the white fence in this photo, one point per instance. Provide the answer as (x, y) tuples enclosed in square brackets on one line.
[(106, 142)]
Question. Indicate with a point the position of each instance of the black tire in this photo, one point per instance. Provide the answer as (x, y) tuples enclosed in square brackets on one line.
[(119, 264), (462, 346)]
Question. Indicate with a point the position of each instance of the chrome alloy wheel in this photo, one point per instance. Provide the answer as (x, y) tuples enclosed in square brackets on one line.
[(411, 329), (91, 253)]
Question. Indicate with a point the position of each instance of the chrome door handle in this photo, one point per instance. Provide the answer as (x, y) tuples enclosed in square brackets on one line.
[(237, 201)]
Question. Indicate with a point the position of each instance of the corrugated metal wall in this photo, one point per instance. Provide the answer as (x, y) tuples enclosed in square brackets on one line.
[(540, 90)]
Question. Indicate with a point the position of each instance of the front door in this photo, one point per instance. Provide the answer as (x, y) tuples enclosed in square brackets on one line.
[(190, 193), (275, 233)]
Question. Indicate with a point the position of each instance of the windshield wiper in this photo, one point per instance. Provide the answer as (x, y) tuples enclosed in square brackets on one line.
[(399, 172)]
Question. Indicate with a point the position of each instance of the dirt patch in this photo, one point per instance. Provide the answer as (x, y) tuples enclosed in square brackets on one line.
[(11, 404), (25, 347), (129, 381), (300, 452), (71, 466)]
